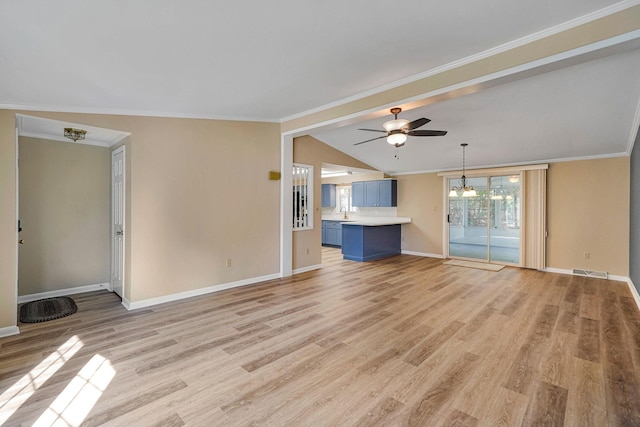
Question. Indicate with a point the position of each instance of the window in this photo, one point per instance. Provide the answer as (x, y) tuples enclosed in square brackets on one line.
[(302, 197), (344, 199)]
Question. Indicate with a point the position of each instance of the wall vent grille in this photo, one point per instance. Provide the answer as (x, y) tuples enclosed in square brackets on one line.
[(590, 273)]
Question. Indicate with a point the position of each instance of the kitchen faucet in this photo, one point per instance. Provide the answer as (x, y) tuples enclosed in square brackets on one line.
[(345, 211)]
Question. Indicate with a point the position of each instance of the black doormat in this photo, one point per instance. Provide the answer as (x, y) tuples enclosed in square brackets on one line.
[(47, 309)]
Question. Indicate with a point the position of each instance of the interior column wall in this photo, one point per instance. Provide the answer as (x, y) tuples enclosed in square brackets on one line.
[(634, 215), (8, 224)]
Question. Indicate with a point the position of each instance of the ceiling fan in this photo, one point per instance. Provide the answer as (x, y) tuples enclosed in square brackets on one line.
[(396, 130)]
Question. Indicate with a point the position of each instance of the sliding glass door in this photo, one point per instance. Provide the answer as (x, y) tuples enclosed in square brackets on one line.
[(486, 226)]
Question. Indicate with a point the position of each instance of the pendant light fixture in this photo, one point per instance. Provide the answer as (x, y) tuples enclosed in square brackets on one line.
[(463, 190)]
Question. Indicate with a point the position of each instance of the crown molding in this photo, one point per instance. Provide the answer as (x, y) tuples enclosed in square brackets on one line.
[(140, 113), (618, 7)]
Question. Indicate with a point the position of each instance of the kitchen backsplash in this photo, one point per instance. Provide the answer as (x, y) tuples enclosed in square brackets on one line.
[(362, 212)]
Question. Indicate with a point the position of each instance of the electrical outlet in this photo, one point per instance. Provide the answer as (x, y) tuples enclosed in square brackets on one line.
[(227, 262), (587, 255)]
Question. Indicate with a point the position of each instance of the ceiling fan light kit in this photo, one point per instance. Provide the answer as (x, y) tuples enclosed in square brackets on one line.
[(398, 139), (397, 129)]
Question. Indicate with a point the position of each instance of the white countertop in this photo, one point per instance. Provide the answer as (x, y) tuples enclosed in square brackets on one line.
[(370, 221)]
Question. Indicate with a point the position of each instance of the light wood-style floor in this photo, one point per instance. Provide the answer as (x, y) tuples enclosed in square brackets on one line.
[(401, 341)]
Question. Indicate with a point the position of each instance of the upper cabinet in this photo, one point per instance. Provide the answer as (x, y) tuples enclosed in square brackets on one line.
[(328, 195), (381, 193)]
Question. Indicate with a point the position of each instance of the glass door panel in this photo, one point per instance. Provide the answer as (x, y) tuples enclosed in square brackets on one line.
[(504, 234), (486, 227), (468, 222)]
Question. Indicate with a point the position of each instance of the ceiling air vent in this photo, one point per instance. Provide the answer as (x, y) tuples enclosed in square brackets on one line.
[(589, 273)]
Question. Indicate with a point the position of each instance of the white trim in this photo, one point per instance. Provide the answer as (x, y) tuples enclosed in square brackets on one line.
[(558, 271), (310, 191), (64, 292), (49, 137), (309, 268), (521, 164), (118, 135), (121, 149), (286, 205), (634, 291), (423, 254), (8, 331), (446, 229), (493, 171), (634, 130), (125, 112), (15, 224), (196, 292)]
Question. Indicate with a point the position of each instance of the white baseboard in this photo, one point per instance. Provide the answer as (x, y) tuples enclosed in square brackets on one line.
[(423, 254), (196, 292), (8, 331), (64, 292), (634, 292), (305, 269)]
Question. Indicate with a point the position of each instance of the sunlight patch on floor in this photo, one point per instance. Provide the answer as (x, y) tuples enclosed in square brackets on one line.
[(77, 399), (18, 393)]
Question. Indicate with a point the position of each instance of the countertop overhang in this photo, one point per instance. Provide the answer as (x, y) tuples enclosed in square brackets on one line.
[(370, 221)]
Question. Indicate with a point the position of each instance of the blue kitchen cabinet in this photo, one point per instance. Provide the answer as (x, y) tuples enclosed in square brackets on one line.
[(380, 193), (331, 233), (367, 243), (328, 195), (357, 193), (388, 193), (324, 232)]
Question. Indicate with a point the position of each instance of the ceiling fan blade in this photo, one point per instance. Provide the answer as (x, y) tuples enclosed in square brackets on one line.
[(374, 130), (427, 133), (369, 140), (417, 123)]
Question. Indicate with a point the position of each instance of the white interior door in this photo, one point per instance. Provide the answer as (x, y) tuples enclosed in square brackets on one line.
[(117, 227)]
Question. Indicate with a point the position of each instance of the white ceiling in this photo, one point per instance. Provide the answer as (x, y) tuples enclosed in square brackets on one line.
[(275, 60), (583, 111)]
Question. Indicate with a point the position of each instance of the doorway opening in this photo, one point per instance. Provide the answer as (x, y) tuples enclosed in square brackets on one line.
[(64, 208)]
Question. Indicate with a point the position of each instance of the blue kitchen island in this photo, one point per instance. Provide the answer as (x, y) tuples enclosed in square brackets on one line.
[(371, 240)]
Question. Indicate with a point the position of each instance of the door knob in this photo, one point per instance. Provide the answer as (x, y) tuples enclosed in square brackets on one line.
[(21, 241), (119, 233)]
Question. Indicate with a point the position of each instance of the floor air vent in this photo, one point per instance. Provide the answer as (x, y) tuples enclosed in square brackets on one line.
[(589, 273)]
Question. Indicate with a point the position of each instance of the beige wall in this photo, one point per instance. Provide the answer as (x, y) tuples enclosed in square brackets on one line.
[(8, 220), (420, 198), (199, 194), (307, 244), (65, 214), (588, 211)]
